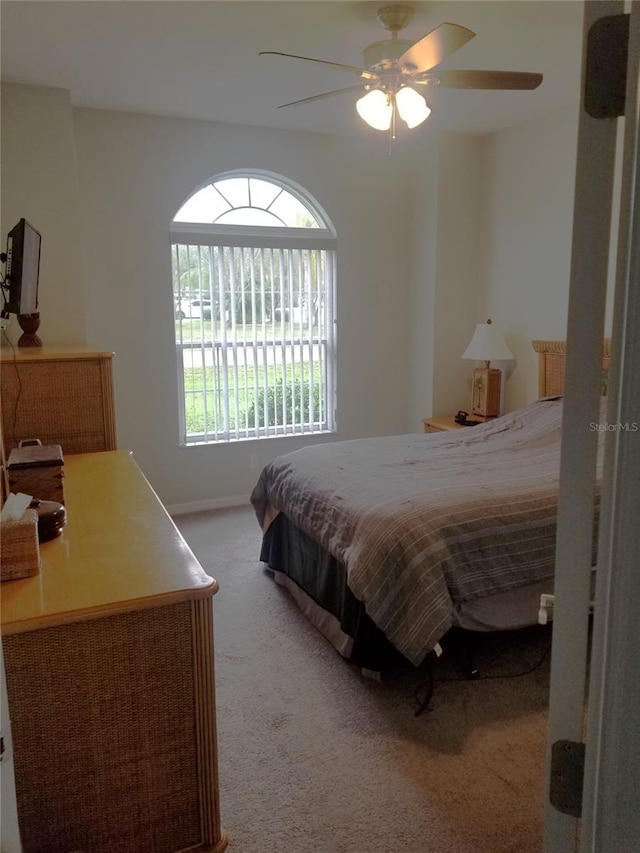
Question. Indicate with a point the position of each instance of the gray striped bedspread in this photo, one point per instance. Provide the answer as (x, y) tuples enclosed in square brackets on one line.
[(423, 523)]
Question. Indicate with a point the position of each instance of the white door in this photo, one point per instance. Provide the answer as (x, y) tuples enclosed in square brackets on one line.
[(609, 807)]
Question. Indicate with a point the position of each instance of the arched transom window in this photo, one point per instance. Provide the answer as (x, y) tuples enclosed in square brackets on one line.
[(253, 266)]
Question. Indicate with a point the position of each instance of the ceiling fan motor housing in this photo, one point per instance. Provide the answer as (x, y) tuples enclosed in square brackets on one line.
[(385, 53)]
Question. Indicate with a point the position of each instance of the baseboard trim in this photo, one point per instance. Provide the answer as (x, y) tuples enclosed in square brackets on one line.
[(204, 506)]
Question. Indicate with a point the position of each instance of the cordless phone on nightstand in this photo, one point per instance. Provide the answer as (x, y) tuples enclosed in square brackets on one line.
[(462, 418)]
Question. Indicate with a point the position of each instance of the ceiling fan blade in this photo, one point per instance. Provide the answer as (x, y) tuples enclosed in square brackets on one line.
[(436, 46), (323, 95), (361, 72), (485, 79)]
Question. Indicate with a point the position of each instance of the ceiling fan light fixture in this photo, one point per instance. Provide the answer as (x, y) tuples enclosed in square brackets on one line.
[(394, 66), (376, 109), (412, 107)]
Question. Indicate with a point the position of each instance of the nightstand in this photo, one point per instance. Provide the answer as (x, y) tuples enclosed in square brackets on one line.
[(440, 424)]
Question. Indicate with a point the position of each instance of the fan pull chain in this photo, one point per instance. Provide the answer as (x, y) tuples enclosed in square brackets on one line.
[(392, 126)]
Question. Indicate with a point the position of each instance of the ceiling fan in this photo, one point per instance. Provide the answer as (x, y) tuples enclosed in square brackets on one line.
[(396, 70)]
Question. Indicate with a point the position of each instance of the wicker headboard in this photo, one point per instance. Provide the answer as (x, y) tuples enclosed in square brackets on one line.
[(551, 358)]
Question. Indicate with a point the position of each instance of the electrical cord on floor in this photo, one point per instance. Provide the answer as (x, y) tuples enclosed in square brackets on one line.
[(423, 705), (429, 686)]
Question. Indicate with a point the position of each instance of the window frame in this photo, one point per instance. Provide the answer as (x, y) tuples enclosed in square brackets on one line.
[(264, 238)]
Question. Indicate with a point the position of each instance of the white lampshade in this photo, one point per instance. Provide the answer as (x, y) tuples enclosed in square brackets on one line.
[(487, 344), (376, 109), (412, 106)]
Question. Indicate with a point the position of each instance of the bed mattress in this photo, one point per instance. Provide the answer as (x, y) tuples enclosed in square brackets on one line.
[(428, 526)]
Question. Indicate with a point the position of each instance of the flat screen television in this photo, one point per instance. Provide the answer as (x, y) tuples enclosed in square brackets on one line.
[(22, 270)]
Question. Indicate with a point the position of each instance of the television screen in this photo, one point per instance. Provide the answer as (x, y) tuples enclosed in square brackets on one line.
[(22, 270)]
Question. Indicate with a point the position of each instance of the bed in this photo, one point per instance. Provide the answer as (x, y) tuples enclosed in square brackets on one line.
[(388, 543)]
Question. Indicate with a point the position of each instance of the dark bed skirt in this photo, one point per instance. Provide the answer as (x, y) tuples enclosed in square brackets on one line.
[(321, 579)]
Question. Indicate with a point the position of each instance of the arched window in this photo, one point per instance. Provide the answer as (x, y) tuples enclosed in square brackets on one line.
[(253, 264)]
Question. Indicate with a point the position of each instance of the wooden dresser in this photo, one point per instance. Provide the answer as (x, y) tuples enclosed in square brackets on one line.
[(110, 676), (59, 394)]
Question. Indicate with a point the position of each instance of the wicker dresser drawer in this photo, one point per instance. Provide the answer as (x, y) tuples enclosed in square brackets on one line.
[(60, 396)]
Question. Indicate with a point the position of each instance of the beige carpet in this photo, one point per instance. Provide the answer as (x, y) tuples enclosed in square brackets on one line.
[(315, 758)]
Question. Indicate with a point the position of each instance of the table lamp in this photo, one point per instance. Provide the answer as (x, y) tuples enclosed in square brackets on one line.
[(487, 344)]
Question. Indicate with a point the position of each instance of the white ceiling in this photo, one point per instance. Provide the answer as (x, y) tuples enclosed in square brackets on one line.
[(199, 58)]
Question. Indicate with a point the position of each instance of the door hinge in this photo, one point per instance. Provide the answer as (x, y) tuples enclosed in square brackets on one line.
[(605, 83), (567, 776)]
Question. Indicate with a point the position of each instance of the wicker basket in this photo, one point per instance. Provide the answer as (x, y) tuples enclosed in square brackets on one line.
[(38, 471), (20, 552)]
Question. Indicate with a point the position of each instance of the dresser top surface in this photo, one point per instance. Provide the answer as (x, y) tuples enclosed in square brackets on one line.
[(52, 352), (119, 551)]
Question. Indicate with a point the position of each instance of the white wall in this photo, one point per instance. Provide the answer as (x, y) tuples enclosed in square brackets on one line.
[(525, 236), (445, 276), (135, 172), (441, 234), (423, 287), (493, 221), (40, 183), (459, 277)]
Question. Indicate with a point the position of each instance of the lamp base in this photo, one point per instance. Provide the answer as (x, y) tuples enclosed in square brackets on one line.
[(485, 399), (29, 323)]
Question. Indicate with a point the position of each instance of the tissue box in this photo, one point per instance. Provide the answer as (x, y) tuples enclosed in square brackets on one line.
[(37, 470), (20, 555)]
